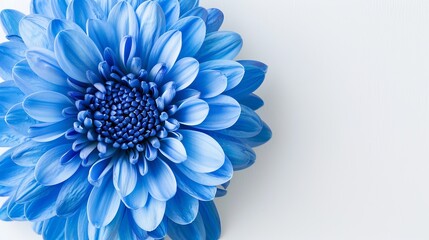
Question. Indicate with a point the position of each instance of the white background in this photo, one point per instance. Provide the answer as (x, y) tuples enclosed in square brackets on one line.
[(347, 99)]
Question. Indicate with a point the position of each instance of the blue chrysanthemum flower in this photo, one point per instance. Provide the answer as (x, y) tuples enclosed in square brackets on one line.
[(125, 119)]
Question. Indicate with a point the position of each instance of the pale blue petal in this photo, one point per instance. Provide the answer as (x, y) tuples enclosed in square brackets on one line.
[(135, 3), (77, 53), (107, 5), (166, 49), (73, 194), (124, 21), (42, 7), (10, 54), (27, 154), (173, 149), (183, 73), (11, 174), (249, 124), (46, 106), (49, 169), (252, 80), (239, 153), (103, 204), (220, 45), (261, 138), (171, 10), (211, 220), (182, 208), (224, 112), (192, 112), (194, 230), (58, 25), (44, 64), (18, 120), (59, 8), (46, 132), (79, 11), (210, 83), (9, 19), (204, 153), (218, 177), (28, 81), (150, 216), (252, 101), (187, 5), (99, 170), (30, 190), (233, 70), (8, 136), (196, 190), (193, 34), (124, 175), (33, 31), (197, 12), (152, 25), (9, 96), (83, 223), (137, 199), (160, 180), (101, 33), (214, 19)]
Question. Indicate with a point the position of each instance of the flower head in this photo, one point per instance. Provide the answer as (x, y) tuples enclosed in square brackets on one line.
[(125, 118)]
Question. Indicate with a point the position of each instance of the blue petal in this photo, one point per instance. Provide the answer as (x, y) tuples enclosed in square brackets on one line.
[(9, 96), (58, 25), (233, 70), (196, 190), (73, 194), (103, 204), (3, 209), (8, 136), (71, 230), (79, 11), (197, 12), (160, 232), (183, 73), (204, 153), (171, 10), (111, 231), (107, 5), (18, 120), (182, 208), (124, 21), (214, 19), (187, 5), (150, 216), (173, 149), (46, 106), (192, 112), (53, 228), (125, 230), (16, 211), (27, 154), (6, 192), (193, 34), (99, 170), (42, 7), (253, 78), (252, 101), (30, 190), (9, 19), (124, 176), (152, 25), (194, 230), (28, 81), (137, 199), (11, 174), (83, 223), (211, 220), (224, 112), (135, 3), (44, 64), (42, 208), (33, 31), (218, 177), (248, 124), (46, 132), (101, 33), (210, 83), (220, 45), (49, 169), (77, 53), (10, 53), (263, 137), (239, 153), (166, 49), (160, 180), (59, 8)]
